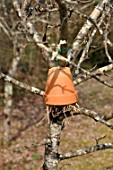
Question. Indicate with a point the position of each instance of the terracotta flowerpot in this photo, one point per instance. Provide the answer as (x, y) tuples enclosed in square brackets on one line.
[(59, 87)]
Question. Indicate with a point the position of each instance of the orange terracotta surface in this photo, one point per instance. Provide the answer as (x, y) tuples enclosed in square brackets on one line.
[(59, 87)]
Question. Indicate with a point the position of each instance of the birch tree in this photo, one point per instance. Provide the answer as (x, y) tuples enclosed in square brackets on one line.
[(98, 21)]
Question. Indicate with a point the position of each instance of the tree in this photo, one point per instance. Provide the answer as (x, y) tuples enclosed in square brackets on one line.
[(18, 42), (72, 52)]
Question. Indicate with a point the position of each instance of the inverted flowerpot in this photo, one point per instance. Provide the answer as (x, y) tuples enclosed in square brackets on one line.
[(59, 87)]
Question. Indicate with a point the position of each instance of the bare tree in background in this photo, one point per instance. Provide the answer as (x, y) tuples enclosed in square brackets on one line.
[(18, 41), (99, 21)]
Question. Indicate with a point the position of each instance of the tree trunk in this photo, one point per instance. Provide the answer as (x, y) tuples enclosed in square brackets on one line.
[(8, 93), (51, 158)]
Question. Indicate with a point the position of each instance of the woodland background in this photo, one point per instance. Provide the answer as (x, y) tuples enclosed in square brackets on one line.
[(25, 151)]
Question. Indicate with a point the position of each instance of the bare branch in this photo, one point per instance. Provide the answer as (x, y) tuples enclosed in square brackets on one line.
[(106, 35), (85, 29), (88, 5), (86, 49), (74, 110), (63, 28), (98, 72), (24, 4), (84, 2), (31, 30), (78, 42), (96, 116), (17, 7), (87, 74), (5, 30), (71, 2), (20, 84), (100, 138), (86, 151), (103, 82)]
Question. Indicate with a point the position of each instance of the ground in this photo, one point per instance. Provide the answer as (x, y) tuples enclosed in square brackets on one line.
[(24, 153)]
